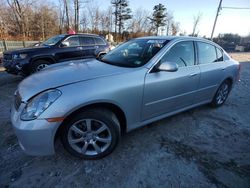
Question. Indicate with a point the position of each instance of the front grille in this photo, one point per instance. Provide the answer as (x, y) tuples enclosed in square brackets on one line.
[(17, 100), (7, 56)]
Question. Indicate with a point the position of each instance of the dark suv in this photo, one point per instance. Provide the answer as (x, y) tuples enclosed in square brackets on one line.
[(59, 48)]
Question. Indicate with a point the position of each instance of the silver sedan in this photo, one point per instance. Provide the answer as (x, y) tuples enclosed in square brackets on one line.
[(90, 103)]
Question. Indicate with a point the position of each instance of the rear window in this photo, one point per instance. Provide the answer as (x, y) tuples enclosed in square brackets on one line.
[(85, 41), (206, 52), (99, 41)]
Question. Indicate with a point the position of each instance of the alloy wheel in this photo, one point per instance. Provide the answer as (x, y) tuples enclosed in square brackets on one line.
[(89, 137), (41, 67), (222, 93)]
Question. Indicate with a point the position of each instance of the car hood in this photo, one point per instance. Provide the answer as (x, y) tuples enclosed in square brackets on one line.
[(66, 73), (26, 50)]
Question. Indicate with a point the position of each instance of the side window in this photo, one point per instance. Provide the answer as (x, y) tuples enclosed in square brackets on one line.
[(73, 41), (181, 53), (99, 41), (206, 53), (219, 55), (87, 41)]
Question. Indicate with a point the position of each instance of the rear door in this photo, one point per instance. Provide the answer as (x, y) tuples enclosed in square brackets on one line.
[(101, 45), (165, 92), (89, 47), (73, 50), (212, 69)]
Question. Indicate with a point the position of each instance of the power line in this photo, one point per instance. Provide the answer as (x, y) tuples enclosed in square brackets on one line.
[(236, 7), (218, 11)]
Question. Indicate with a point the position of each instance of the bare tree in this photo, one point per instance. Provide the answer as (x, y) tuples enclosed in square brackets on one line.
[(84, 22), (196, 22), (67, 13), (94, 16), (140, 24), (40, 19), (175, 28), (169, 21), (106, 20)]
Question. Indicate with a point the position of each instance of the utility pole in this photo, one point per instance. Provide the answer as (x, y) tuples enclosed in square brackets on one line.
[(217, 14)]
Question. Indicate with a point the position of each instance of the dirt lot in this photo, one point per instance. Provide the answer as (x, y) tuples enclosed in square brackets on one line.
[(203, 147)]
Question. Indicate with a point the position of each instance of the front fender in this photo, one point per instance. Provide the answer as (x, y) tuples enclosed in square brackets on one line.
[(38, 57)]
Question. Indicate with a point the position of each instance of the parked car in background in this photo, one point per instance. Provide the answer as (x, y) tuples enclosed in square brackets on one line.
[(91, 103), (59, 48)]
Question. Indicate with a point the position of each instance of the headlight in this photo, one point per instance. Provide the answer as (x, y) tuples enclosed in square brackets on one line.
[(20, 56), (37, 105)]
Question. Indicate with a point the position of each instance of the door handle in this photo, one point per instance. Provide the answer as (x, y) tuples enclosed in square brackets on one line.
[(79, 48), (192, 74), (223, 68)]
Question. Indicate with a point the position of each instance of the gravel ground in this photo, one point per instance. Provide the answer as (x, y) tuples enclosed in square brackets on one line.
[(203, 147)]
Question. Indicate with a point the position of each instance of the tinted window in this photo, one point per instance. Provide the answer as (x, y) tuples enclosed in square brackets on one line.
[(73, 41), (85, 41), (219, 55), (207, 53), (182, 54), (99, 41)]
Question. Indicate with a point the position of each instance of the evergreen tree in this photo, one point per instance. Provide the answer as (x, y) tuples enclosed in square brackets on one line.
[(159, 17), (122, 13)]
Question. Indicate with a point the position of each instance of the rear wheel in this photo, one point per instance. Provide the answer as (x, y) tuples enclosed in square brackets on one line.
[(92, 134), (221, 94)]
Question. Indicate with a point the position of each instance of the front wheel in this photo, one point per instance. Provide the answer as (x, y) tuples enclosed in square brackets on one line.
[(221, 94), (39, 65), (92, 134)]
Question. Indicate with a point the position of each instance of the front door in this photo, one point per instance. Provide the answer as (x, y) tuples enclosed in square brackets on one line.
[(70, 49), (165, 92)]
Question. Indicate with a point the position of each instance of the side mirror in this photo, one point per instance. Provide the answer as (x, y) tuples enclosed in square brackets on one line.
[(167, 66), (64, 44)]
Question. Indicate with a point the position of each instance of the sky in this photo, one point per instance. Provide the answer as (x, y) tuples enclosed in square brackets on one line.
[(229, 20)]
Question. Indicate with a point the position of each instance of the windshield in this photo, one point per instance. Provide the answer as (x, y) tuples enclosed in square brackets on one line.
[(53, 40), (134, 53)]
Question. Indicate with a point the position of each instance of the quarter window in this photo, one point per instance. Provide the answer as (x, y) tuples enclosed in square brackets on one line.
[(182, 54), (207, 53), (73, 41), (219, 55), (99, 41)]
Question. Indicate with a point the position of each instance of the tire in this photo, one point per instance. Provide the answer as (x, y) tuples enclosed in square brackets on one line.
[(92, 134), (39, 65), (100, 56), (221, 94)]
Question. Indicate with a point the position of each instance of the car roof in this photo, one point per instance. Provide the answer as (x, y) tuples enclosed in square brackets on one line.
[(175, 38), (82, 34), (172, 38)]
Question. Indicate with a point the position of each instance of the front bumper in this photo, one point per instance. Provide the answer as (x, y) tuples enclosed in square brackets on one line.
[(13, 66), (35, 137)]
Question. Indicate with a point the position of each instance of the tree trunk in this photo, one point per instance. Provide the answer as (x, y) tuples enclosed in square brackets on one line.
[(67, 13)]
